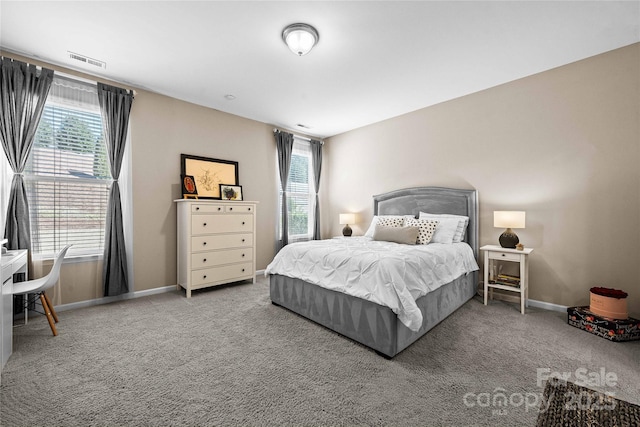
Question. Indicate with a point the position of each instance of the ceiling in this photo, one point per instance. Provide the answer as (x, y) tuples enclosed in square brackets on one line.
[(375, 59)]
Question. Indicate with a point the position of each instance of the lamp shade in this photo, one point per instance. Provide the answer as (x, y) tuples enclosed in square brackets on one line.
[(508, 219), (347, 218), (300, 38)]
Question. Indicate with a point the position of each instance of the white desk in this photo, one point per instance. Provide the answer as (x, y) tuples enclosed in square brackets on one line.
[(12, 262)]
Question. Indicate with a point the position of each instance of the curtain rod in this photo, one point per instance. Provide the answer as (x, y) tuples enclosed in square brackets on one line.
[(52, 66), (298, 136), (90, 81)]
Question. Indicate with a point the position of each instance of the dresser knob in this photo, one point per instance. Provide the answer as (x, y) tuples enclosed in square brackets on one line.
[(197, 208), (204, 260), (243, 270), (204, 243), (249, 209), (204, 225), (242, 255), (243, 240), (219, 208), (204, 277), (242, 222), (503, 255), (230, 209)]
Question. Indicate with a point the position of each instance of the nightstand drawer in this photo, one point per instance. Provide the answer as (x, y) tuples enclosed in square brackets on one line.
[(504, 256)]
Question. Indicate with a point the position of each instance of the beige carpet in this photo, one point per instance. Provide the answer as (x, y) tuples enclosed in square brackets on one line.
[(227, 356)]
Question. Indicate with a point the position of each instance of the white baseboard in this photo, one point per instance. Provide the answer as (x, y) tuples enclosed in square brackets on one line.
[(137, 294), (107, 300), (547, 305), (130, 295), (531, 302)]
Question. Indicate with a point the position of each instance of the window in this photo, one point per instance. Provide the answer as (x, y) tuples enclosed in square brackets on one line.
[(300, 193), (67, 176)]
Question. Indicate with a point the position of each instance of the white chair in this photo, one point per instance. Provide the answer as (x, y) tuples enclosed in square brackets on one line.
[(39, 286)]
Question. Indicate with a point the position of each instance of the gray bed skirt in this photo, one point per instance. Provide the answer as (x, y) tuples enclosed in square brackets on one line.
[(368, 323)]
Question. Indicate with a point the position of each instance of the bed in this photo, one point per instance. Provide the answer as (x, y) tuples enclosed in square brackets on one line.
[(374, 325)]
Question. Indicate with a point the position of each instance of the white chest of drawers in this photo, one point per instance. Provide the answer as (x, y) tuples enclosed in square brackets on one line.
[(216, 243)]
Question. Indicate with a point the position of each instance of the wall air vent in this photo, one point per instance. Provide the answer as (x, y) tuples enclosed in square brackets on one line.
[(87, 60)]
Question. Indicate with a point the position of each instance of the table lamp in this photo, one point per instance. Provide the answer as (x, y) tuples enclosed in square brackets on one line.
[(347, 218), (508, 220)]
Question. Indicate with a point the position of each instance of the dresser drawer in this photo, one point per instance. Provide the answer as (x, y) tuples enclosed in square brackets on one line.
[(213, 258), (225, 272), (207, 224), (207, 208), (239, 209), (504, 256), (213, 208), (221, 241)]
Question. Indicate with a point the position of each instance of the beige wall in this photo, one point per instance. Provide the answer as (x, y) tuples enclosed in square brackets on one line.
[(562, 145), (161, 129), (79, 281)]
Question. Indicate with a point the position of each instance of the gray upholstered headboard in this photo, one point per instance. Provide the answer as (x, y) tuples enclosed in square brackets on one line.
[(437, 200)]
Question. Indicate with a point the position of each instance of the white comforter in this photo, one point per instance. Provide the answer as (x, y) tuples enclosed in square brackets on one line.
[(385, 273)]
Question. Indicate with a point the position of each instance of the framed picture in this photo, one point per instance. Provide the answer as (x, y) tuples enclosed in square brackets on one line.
[(189, 188), (209, 173), (231, 192)]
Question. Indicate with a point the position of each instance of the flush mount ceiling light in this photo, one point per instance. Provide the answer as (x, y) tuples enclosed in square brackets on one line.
[(300, 38)]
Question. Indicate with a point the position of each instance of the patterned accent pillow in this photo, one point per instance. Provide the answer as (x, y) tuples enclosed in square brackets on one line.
[(385, 221), (426, 228), (390, 221)]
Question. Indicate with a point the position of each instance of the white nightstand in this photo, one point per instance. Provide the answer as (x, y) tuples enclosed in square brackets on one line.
[(521, 286)]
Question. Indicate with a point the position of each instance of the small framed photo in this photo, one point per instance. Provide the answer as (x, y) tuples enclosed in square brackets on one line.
[(230, 192), (189, 188)]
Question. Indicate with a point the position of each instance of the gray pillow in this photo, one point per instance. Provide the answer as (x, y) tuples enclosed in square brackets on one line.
[(404, 235)]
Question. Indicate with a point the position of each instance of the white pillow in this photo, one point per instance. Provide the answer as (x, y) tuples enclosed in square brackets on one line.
[(445, 230), (426, 228), (463, 222), (385, 221)]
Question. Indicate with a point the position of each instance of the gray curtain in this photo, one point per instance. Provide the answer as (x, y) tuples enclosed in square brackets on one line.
[(284, 145), (316, 157), (23, 93), (115, 106)]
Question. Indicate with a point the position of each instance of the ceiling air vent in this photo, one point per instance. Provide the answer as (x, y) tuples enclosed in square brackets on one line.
[(87, 60)]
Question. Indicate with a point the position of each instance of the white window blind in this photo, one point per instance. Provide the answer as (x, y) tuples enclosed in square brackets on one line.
[(300, 193), (67, 175)]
